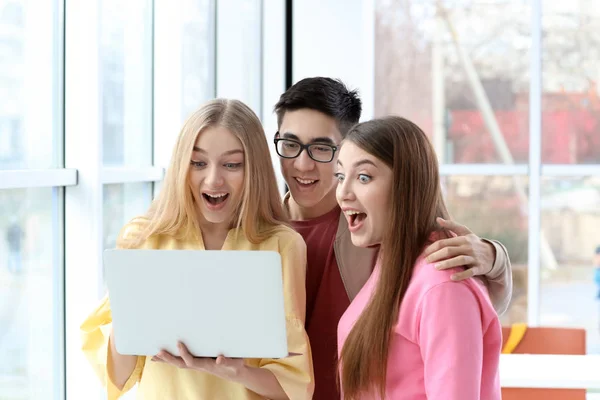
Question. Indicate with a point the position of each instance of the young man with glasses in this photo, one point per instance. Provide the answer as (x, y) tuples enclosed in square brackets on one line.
[(313, 116)]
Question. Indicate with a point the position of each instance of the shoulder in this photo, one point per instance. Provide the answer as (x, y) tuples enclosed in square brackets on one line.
[(134, 228), (286, 237), (292, 249), (132, 235), (429, 285), (425, 274)]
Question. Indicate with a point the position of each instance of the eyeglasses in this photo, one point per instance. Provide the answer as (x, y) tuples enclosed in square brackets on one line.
[(290, 148)]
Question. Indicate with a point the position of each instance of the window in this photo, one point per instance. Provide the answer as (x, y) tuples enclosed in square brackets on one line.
[(475, 94), (570, 86), (197, 54), (31, 321), (123, 202), (126, 82), (184, 67), (448, 86), (239, 43), (570, 221), (30, 135), (492, 207), (93, 96)]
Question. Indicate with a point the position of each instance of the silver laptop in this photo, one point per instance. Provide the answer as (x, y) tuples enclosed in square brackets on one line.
[(216, 302)]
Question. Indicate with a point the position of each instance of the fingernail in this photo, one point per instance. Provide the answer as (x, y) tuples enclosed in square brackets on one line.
[(454, 277), (437, 265)]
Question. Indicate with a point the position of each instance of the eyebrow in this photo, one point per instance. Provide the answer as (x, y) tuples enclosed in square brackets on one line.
[(227, 153), (359, 163), (321, 139)]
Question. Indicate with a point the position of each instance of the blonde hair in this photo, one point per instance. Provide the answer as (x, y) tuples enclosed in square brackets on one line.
[(173, 212)]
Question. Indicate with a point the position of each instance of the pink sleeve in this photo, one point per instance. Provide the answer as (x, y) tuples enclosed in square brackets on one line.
[(451, 341)]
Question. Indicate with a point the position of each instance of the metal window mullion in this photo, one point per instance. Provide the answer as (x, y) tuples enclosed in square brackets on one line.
[(30, 178), (535, 164), (83, 202)]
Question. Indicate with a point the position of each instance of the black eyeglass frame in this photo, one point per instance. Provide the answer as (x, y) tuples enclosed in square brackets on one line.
[(303, 147)]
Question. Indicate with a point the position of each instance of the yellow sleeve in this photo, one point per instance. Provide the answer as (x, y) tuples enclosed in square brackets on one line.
[(95, 333), (294, 373)]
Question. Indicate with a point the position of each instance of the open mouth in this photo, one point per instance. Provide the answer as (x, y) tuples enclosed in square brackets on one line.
[(306, 182), (355, 218), (215, 199)]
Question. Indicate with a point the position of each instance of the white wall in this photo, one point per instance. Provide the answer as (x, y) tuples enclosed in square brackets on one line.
[(336, 39)]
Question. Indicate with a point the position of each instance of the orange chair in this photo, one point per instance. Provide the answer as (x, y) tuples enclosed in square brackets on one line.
[(543, 341)]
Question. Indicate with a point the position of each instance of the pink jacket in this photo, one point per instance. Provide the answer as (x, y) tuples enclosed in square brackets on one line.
[(447, 341)]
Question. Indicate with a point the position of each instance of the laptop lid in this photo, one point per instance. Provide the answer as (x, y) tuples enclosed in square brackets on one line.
[(216, 302)]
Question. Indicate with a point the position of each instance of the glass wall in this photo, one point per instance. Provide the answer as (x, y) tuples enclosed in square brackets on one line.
[(76, 170), (31, 223), (463, 71)]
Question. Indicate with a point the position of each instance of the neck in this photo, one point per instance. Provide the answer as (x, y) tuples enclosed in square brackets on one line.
[(299, 213), (214, 235)]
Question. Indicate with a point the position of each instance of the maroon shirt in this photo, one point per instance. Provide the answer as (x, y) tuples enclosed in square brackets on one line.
[(326, 299)]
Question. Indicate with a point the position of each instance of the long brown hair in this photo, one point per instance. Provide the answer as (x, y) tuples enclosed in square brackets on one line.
[(416, 200), (173, 212)]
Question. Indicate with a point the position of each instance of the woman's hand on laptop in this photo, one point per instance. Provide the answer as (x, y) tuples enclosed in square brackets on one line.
[(226, 368)]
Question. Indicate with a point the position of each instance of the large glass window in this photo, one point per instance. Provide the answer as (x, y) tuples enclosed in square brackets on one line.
[(239, 42), (460, 70), (570, 82), (126, 82), (492, 207), (122, 202), (29, 82), (197, 54), (30, 299), (569, 295)]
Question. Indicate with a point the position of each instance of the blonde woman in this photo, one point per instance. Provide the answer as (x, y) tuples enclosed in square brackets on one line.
[(220, 192)]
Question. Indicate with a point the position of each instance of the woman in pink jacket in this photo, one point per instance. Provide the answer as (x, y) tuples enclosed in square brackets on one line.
[(412, 332)]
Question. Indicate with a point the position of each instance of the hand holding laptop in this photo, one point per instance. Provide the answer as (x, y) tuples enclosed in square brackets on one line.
[(223, 367)]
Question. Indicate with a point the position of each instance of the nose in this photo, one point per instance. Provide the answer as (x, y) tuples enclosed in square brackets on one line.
[(304, 163), (214, 178), (344, 192)]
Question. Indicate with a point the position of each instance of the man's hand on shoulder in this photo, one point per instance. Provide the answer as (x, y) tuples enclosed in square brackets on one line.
[(465, 250)]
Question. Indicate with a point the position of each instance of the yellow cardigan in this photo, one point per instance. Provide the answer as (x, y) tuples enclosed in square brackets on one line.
[(162, 381)]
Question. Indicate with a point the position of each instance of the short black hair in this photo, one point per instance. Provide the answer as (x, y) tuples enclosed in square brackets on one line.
[(326, 95)]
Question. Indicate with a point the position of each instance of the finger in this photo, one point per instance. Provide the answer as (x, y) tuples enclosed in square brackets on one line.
[(171, 359), (231, 363), (460, 276), (187, 357), (454, 226), (222, 360), (191, 361), (440, 244), (458, 261), (477, 270), (184, 352), (447, 253)]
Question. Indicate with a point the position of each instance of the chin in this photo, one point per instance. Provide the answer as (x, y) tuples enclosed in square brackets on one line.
[(213, 220), (305, 201), (216, 218), (361, 241)]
